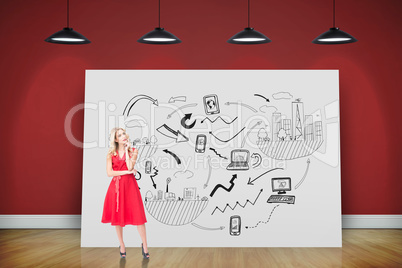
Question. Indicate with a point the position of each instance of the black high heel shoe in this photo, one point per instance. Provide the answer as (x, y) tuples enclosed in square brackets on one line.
[(145, 255), (121, 254)]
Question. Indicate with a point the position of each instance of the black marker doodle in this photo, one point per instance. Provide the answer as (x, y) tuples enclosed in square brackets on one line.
[(218, 154), (213, 121), (305, 174), (168, 180), (180, 108), (146, 148), (248, 132), (184, 119), (235, 225), (174, 156), (237, 203), (292, 140), (178, 98), (242, 104), (153, 175), (134, 100), (177, 134), (208, 229), (250, 182), (282, 95), (228, 139), (223, 187), (259, 159), (166, 209), (211, 104), (265, 222), (239, 160), (258, 95), (209, 171)]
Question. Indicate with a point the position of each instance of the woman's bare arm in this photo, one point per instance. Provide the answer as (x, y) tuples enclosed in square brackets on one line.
[(133, 159), (109, 170)]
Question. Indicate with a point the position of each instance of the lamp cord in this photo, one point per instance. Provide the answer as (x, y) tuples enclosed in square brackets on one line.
[(248, 15), (68, 14), (159, 14), (333, 14)]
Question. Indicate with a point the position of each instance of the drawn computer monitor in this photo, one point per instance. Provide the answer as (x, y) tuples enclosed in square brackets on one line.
[(281, 185)]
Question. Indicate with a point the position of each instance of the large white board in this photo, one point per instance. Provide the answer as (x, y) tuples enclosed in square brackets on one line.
[(265, 171)]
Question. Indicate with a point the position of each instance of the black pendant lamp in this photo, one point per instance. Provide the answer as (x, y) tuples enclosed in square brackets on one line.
[(67, 36), (159, 36), (334, 36), (248, 36)]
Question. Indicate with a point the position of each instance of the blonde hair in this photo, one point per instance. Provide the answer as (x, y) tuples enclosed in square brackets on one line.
[(113, 144)]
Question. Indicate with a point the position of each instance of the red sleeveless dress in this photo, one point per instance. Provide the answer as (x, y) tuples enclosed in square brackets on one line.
[(123, 203)]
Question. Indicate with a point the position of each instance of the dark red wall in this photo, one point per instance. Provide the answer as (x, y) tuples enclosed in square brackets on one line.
[(41, 172)]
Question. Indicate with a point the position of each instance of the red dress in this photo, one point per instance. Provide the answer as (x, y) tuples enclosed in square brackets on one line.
[(123, 203)]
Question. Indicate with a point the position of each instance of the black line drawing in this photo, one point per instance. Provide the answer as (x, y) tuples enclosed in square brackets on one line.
[(153, 175), (265, 222), (184, 119), (234, 176), (237, 203), (242, 104), (138, 176), (250, 182), (248, 132), (177, 134), (200, 143), (228, 139), (180, 108), (209, 171), (266, 107), (305, 174), (207, 228), (259, 159), (134, 100), (166, 209), (174, 156), (258, 95), (168, 180), (146, 147), (148, 167), (235, 225), (291, 141), (219, 117), (211, 104), (218, 154), (281, 185), (185, 174), (282, 95), (178, 98), (239, 160)]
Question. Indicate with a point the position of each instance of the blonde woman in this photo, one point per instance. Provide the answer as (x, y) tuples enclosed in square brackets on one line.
[(123, 203)]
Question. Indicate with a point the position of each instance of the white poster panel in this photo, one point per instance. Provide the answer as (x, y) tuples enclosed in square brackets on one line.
[(227, 158)]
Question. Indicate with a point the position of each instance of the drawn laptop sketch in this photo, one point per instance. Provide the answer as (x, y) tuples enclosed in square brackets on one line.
[(238, 160)]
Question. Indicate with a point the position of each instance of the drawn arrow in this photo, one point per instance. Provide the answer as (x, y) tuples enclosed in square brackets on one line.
[(237, 203), (178, 98), (258, 95), (250, 182), (177, 134), (248, 132), (153, 175), (134, 100), (259, 159), (213, 121), (242, 104), (228, 139), (218, 154), (182, 107), (209, 172), (223, 187), (305, 174), (184, 119), (208, 229), (174, 156)]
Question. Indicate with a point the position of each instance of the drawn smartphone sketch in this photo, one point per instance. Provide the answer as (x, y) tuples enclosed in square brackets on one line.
[(148, 166), (235, 224), (200, 143), (211, 104)]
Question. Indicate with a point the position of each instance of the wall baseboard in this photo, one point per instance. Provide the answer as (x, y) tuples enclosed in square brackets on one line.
[(74, 221)]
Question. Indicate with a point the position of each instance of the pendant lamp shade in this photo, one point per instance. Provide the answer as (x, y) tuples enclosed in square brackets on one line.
[(334, 36), (67, 36), (249, 36), (159, 37)]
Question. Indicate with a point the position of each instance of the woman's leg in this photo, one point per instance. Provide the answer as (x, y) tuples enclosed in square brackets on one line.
[(143, 235), (119, 231)]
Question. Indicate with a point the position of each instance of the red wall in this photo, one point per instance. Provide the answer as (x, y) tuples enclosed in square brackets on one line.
[(41, 82)]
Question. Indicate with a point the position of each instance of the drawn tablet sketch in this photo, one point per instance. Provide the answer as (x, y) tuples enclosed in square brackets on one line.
[(225, 157)]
